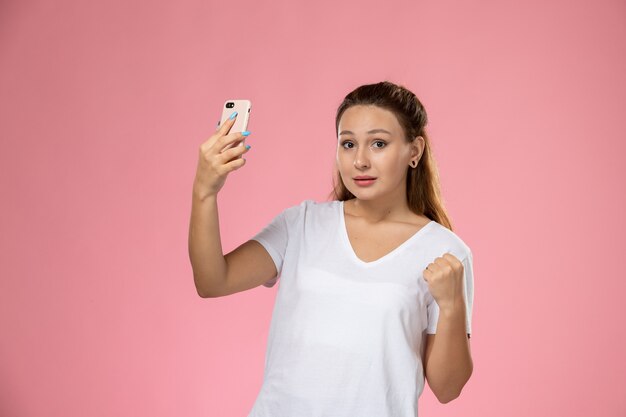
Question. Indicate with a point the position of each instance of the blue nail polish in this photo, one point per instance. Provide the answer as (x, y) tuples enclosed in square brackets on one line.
[(232, 116), (248, 146), (245, 133)]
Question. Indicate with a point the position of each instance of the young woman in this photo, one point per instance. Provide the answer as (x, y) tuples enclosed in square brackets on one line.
[(375, 292)]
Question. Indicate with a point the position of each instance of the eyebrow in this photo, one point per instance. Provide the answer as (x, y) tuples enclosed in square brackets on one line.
[(348, 132)]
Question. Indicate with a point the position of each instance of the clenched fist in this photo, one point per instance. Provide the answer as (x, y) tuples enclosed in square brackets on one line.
[(444, 277)]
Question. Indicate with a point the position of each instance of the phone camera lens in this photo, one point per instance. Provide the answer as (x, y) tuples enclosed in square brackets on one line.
[(230, 105)]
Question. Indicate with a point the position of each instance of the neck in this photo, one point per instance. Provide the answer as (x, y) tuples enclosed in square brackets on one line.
[(385, 208)]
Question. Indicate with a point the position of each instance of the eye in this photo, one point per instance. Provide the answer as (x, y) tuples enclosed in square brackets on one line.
[(377, 141)]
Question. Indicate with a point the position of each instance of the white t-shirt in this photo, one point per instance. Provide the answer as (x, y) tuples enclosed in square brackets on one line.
[(347, 337)]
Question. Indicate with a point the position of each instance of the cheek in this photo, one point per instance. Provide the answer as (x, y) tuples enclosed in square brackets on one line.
[(390, 166), (342, 159), (385, 162)]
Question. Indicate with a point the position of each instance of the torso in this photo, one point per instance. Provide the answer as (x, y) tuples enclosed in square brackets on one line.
[(373, 241)]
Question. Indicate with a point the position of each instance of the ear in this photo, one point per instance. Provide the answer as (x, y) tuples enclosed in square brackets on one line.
[(417, 147)]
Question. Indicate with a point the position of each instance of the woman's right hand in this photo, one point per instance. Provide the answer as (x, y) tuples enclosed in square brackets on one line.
[(215, 163)]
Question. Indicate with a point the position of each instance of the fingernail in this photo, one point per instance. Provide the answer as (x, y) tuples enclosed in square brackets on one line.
[(232, 116), (248, 146), (245, 133)]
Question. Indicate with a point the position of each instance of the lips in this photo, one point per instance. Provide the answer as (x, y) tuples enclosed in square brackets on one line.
[(364, 182)]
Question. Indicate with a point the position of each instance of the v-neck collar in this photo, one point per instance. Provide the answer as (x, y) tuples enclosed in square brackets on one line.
[(391, 254)]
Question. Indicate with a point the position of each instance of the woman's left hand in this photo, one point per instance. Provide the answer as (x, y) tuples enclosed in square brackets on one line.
[(445, 280)]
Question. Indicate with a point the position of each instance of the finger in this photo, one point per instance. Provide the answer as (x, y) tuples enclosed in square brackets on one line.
[(233, 153), (234, 164), (452, 260), (228, 123), (220, 132), (232, 138), (436, 264), (448, 255), (435, 267), (443, 261)]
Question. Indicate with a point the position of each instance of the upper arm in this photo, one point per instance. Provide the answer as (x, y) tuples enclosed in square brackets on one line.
[(248, 266)]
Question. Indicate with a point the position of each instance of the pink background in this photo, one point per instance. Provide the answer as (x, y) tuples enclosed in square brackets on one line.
[(103, 107)]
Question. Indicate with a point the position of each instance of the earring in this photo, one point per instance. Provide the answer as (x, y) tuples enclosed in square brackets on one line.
[(411, 163)]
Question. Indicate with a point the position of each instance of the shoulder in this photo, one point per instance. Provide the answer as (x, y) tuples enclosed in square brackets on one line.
[(445, 240), (306, 208)]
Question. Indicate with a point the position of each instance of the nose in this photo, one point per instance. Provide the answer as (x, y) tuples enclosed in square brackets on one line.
[(361, 160)]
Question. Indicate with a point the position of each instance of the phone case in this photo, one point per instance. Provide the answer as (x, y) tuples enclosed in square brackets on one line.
[(242, 107)]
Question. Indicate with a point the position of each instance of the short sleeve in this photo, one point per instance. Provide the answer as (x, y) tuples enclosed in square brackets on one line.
[(468, 279), (274, 238)]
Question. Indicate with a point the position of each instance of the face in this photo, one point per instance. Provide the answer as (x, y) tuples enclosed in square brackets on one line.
[(371, 143)]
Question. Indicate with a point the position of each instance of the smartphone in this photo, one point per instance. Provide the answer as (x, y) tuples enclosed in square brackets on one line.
[(242, 107)]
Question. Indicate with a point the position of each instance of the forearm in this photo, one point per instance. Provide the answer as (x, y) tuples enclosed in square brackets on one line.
[(450, 363), (205, 246)]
